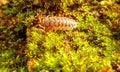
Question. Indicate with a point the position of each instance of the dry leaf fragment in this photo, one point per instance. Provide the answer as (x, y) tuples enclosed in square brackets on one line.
[(105, 69), (3, 2)]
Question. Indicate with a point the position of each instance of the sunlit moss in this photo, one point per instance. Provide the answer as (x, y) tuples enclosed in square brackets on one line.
[(88, 48)]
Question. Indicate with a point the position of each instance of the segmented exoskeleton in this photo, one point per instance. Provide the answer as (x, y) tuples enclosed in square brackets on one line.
[(57, 23)]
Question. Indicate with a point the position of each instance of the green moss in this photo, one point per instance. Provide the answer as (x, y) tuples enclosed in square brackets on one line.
[(90, 47)]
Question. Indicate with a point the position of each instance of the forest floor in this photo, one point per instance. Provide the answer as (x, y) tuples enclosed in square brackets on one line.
[(94, 46)]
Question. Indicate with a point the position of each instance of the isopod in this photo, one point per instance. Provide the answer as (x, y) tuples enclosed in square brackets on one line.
[(57, 23)]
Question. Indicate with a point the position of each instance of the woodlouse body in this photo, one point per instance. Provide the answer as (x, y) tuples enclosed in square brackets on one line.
[(57, 23)]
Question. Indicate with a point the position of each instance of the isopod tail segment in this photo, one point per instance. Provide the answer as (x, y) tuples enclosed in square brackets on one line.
[(56, 23)]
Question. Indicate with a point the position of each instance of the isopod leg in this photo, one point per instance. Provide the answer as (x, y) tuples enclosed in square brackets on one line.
[(42, 27)]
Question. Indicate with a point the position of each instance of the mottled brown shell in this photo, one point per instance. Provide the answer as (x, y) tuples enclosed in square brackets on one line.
[(57, 23)]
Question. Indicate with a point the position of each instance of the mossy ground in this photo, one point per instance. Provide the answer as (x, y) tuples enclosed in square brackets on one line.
[(93, 46)]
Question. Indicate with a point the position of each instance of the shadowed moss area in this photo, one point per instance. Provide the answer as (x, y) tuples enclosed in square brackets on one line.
[(94, 46)]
